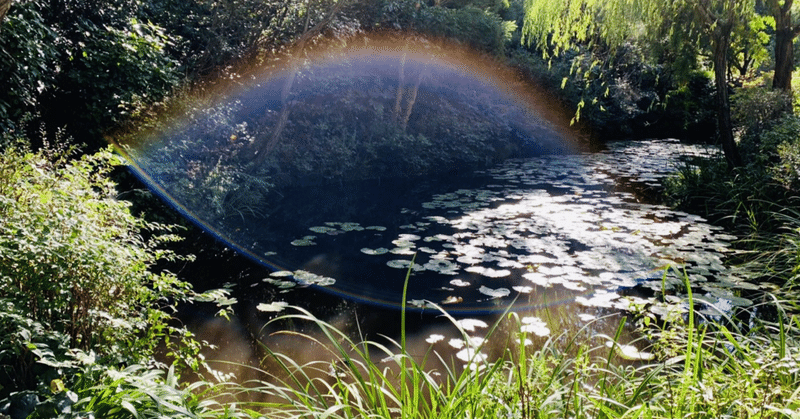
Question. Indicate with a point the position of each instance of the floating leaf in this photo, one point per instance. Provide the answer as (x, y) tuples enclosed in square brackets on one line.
[(459, 283), (322, 229), (470, 324), (274, 307), (491, 273), (378, 251), (453, 300), (434, 338), (630, 352), (494, 293), (534, 325)]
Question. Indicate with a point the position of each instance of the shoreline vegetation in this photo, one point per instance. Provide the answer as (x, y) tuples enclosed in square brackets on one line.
[(88, 302)]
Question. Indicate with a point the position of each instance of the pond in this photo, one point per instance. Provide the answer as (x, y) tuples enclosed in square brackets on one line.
[(371, 170), (568, 242), (514, 232)]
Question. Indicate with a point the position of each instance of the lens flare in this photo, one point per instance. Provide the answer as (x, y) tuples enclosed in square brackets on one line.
[(337, 168)]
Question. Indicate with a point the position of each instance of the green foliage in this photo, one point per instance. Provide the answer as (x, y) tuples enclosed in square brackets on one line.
[(42, 376), (755, 110), (756, 201), (749, 45), (28, 55), (74, 259), (70, 254), (81, 66), (82, 310), (111, 64), (476, 24), (213, 180), (555, 27), (700, 368)]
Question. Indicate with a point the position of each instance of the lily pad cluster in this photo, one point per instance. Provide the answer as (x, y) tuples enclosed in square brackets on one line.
[(558, 222)]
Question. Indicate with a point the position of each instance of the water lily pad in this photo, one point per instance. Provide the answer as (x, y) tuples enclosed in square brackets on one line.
[(459, 283), (281, 274), (471, 324), (453, 299), (442, 266), (281, 284), (601, 298), (404, 264), (471, 355), (402, 251), (274, 307), (534, 325), (630, 352), (494, 293), (491, 273), (421, 304), (350, 227), (378, 251), (310, 278), (305, 241), (322, 229), (456, 343), (403, 243), (434, 338)]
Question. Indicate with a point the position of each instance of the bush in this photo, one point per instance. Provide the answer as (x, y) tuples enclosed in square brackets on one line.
[(781, 145), (28, 65), (81, 67), (82, 310), (755, 109), (71, 256)]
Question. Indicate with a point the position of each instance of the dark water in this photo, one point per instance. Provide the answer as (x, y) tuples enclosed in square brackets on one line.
[(568, 242), (511, 233)]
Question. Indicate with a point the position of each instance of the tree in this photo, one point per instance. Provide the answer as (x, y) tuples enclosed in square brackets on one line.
[(558, 26), (786, 30), (4, 6)]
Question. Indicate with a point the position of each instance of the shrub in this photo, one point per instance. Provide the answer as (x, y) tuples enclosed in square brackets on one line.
[(82, 309), (29, 54), (74, 259), (77, 65), (755, 109), (781, 146)]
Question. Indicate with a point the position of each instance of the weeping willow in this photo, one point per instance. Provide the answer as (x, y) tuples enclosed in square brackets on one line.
[(554, 27), (558, 26)]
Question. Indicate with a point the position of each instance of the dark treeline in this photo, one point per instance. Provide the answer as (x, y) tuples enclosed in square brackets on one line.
[(79, 71)]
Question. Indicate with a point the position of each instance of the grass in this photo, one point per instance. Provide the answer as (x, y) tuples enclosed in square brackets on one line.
[(702, 369)]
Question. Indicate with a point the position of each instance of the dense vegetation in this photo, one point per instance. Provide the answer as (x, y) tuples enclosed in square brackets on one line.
[(85, 306)]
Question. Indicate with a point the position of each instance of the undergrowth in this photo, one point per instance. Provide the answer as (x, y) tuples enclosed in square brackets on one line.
[(695, 367)]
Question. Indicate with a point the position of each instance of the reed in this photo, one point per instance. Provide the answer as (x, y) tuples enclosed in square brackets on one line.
[(702, 368)]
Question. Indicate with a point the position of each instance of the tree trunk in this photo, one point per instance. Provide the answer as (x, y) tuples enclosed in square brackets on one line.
[(784, 59), (784, 48), (722, 41), (4, 6)]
